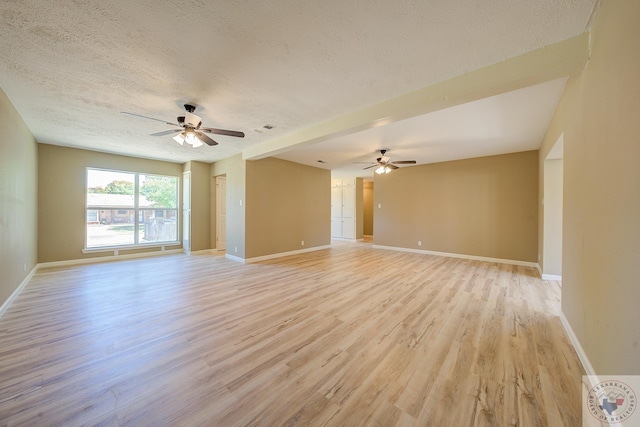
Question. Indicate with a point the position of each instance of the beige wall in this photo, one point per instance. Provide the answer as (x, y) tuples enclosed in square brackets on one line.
[(234, 168), (367, 205), (598, 114), (482, 207), (18, 199), (62, 197), (286, 203), (200, 205)]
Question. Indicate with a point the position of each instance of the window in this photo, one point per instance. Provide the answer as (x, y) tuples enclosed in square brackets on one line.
[(126, 209), (92, 216)]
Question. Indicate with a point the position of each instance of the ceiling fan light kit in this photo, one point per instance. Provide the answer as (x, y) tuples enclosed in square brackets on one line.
[(179, 139), (191, 138), (190, 130), (383, 169)]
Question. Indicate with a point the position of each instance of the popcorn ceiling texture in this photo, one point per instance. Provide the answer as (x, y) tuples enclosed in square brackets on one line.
[(71, 66)]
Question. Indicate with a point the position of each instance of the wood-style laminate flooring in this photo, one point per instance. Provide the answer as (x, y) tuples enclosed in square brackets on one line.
[(347, 336)]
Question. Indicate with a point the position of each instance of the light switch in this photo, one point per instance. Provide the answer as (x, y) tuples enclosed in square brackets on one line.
[(379, 205)]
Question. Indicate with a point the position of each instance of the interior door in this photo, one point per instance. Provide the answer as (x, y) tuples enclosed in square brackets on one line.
[(336, 212), (221, 213), (336, 227), (349, 202), (349, 228)]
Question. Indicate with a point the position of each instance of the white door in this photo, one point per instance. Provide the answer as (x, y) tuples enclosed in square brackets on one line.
[(336, 202), (221, 213), (336, 211), (186, 211), (349, 202), (348, 228), (336, 227)]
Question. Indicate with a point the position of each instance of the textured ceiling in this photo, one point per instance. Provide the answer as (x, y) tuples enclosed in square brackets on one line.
[(71, 66)]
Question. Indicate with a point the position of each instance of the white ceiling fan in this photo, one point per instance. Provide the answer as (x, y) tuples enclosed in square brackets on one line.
[(385, 165), (190, 129)]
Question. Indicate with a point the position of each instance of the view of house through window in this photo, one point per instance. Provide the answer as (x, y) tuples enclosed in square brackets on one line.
[(125, 208)]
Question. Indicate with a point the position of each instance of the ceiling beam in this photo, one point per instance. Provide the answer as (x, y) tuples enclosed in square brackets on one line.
[(551, 62)]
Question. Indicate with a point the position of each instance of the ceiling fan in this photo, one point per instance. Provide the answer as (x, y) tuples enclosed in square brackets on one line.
[(385, 165), (191, 130)]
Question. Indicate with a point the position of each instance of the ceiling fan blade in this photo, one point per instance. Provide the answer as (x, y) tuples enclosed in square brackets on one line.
[(150, 118), (166, 132), (392, 166), (204, 138), (363, 163), (369, 167), (223, 132), (404, 162)]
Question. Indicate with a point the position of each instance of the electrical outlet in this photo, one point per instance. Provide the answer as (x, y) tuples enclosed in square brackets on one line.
[(24, 266), (419, 242), (236, 249), (302, 243)]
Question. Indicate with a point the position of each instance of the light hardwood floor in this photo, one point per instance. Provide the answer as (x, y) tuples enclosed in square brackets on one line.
[(347, 336)]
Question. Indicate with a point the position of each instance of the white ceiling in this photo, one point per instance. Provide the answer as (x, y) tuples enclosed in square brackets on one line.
[(507, 123), (70, 67)]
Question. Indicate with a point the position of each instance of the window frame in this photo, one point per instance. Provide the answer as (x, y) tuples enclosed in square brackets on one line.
[(137, 211)]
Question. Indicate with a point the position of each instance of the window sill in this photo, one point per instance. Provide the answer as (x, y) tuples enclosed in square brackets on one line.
[(117, 249)]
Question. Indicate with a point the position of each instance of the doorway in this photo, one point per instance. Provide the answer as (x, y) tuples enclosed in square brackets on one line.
[(552, 208)]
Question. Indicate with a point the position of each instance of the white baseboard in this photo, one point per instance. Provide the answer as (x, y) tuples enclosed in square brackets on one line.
[(278, 255), (462, 256), (234, 258), (108, 258), (586, 364), (543, 276), (283, 254), (14, 294), (203, 252)]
